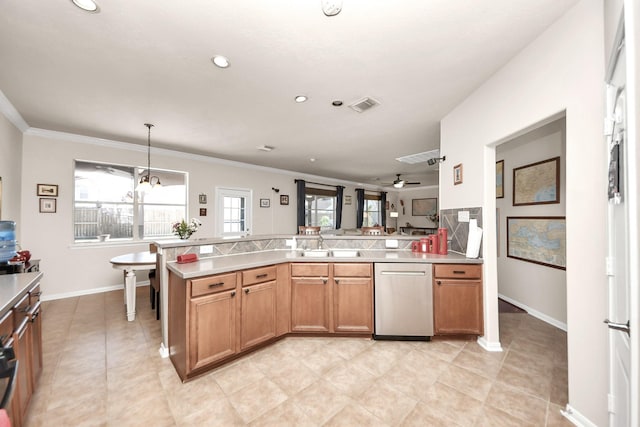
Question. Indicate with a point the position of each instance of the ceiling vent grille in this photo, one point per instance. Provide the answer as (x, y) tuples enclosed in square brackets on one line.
[(364, 105), (419, 157)]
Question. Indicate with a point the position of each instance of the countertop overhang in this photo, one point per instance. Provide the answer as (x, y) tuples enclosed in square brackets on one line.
[(227, 263), (14, 286)]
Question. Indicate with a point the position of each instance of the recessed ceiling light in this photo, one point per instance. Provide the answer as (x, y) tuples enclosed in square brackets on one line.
[(266, 148), (88, 5), (312, 160), (220, 61), (336, 103), (301, 98)]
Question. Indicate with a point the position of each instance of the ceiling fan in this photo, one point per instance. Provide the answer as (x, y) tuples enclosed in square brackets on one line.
[(399, 183)]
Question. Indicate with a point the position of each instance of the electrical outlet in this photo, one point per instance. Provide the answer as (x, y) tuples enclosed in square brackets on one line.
[(463, 216), (206, 249), (391, 243)]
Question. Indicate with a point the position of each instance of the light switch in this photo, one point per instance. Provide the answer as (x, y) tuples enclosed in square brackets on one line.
[(463, 216)]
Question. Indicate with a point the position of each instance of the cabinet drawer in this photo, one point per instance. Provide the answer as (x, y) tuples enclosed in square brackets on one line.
[(212, 284), (310, 269), (6, 327), (258, 275), (457, 271), (352, 270), (34, 295), (20, 310)]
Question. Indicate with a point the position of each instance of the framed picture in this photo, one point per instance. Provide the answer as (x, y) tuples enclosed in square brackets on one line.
[(284, 199), (347, 200), (500, 179), (49, 190), (265, 203), (537, 183), (203, 211), (47, 205), (202, 198), (424, 207), (457, 174), (540, 240)]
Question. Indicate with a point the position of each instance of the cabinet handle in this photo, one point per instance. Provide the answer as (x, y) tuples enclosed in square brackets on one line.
[(37, 294), (246, 291), (459, 271), (34, 317), (324, 281), (439, 282), (337, 281), (261, 276), (233, 294), (213, 285), (25, 309)]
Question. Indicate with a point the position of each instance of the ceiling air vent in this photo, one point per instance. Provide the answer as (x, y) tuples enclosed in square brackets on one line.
[(419, 157), (364, 104)]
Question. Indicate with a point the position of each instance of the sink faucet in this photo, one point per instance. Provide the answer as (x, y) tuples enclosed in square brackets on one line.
[(320, 241)]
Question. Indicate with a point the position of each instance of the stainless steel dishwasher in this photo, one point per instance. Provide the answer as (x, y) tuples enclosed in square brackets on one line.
[(403, 301)]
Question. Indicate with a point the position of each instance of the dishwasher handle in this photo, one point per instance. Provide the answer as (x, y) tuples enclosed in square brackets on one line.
[(403, 273)]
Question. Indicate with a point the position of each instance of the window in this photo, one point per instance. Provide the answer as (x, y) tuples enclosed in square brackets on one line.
[(234, 211), (320, 208), (106, 203), (372, 209)]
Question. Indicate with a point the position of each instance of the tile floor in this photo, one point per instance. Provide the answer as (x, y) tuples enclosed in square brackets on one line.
[(100, 370)]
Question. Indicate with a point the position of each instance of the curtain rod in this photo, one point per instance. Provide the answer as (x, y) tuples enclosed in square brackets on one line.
[(318, 183)]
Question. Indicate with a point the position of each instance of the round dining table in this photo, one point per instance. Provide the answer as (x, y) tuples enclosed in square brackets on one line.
[(131, 263)]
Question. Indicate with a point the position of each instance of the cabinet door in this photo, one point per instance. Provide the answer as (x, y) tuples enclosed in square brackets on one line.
[(457, 307), (35, 317), (22, 348), (212, 328), (310, 304), (258, 314), (353, 304)]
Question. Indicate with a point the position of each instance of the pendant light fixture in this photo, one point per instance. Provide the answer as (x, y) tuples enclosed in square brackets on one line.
[(147, 182)]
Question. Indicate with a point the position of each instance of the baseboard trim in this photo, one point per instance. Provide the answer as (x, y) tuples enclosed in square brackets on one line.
[(52, 297), (576, 417), (489, 346), (535, 313)]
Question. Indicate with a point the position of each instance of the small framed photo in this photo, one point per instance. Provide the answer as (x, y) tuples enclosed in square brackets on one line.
[(265, 203), (47, 205), (49, 190), (457, 174), (500, 179), (203, 211), (284, 199), (347, 200), (202, 198)]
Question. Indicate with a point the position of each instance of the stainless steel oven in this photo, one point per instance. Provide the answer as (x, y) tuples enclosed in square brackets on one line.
[(403, 301)]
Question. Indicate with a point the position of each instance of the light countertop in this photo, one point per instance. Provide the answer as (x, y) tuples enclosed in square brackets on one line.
[(226, 263), (14, 286)]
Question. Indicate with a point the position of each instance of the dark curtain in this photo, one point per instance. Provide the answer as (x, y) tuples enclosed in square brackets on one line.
[(360, 208), (383, 210), (300, 185), (339, 194)]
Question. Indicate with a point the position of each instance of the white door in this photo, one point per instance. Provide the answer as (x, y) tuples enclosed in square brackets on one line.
[(620, 401)]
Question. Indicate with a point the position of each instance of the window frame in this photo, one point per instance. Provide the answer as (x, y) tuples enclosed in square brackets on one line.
[(311, 191), (365, 212), (220, 194), (136, 205)]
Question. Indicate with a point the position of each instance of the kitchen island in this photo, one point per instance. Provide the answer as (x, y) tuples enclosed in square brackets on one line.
[(256, 290)]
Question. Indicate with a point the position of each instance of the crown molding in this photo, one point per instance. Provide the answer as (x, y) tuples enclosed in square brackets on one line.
[(10, 112)]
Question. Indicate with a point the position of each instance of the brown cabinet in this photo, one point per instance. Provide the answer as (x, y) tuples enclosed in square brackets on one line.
[(35, 317), (310, 296), (258, 306), (328, 297), (352, 298), (22, 345), (457, 299)]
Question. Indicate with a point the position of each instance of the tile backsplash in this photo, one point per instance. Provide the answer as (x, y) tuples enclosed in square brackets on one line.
[(458, 232)]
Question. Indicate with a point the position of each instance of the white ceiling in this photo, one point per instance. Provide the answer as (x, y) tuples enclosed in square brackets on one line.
[(106, 74)]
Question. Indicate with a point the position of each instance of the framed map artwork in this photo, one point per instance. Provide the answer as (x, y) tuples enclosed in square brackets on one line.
[(537, 183), (541, 240)]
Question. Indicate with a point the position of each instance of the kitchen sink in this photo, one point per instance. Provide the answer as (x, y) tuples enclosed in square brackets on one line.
[(345, 253), (316, 253)]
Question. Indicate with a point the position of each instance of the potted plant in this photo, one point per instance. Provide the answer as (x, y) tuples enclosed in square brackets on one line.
[(184, 230)]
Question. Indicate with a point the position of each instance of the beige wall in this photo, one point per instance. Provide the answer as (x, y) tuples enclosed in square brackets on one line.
[(539, 289), (10, 172), (562, 71), (75, 269)]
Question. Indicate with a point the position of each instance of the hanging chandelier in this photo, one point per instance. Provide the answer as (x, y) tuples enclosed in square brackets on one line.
[(147, 182)]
